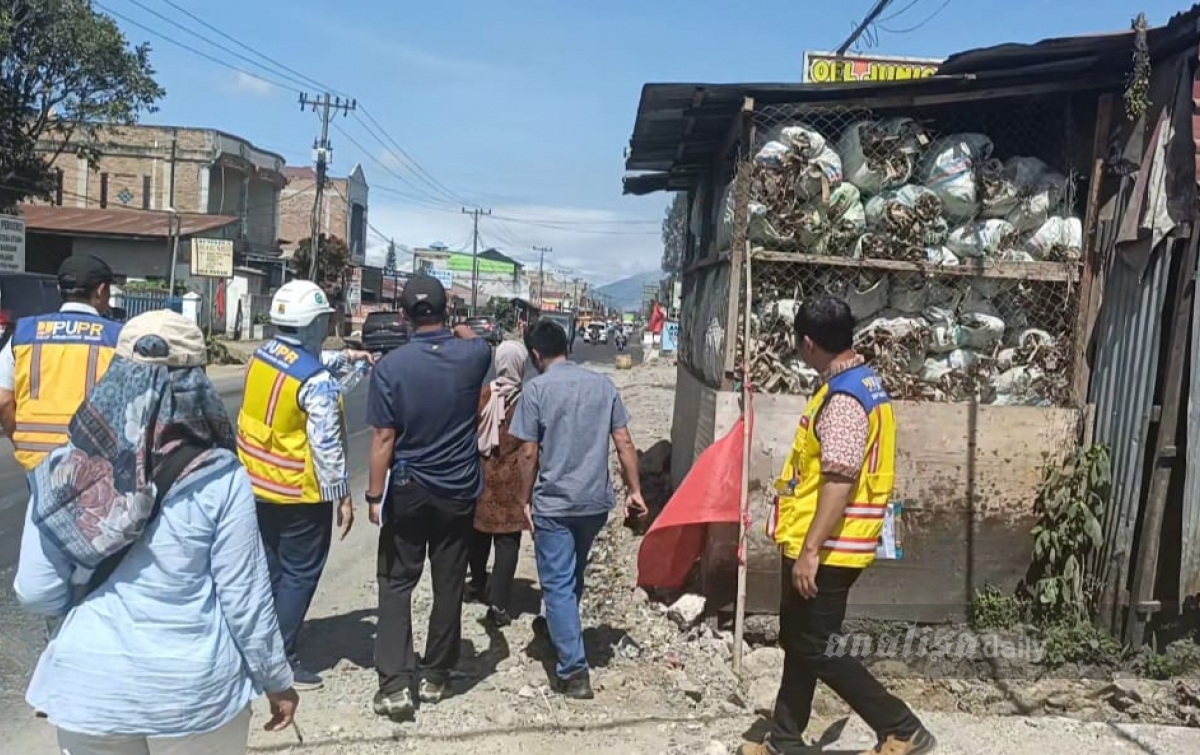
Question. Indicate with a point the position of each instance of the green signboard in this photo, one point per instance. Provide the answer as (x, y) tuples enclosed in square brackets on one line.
[(462, 263)]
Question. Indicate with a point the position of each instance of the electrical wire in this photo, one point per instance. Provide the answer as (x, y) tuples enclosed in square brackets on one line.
[(415, 167), (888, 17), (194, 51), (919, 25)]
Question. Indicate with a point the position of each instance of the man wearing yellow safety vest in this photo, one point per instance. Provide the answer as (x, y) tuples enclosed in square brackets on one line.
[(53, 361), (292, 441), (831, 500)]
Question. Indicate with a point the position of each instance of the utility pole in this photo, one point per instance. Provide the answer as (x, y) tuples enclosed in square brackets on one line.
[(542, 252), (575, 293), (323, 104), (172, 220), (475, 256)]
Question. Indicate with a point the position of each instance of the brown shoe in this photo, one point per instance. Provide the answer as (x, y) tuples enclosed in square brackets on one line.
[(756, 748), (918, 744)]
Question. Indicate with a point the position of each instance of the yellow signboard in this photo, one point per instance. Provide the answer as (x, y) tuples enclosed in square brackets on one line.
[(828, 68)]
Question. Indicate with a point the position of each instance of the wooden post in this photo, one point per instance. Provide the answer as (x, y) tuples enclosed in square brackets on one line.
[(739, 615), (1142, 604)]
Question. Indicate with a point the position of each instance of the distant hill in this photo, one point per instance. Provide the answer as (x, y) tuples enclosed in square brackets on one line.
[(626, 294)]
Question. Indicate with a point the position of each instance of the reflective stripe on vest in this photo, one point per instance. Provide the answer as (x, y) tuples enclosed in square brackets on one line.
[(855, 538), (58, 359), (273, 429)]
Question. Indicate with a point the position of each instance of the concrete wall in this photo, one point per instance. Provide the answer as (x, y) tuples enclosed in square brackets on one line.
[(966, 515)]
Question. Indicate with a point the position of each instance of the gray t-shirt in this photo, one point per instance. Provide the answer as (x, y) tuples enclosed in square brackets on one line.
[(571, 412)]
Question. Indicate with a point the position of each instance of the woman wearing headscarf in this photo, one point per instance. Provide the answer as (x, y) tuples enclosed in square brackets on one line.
[(500, 515), (142, 539)]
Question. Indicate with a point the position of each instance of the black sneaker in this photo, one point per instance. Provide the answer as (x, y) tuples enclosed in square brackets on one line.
[(305, 680), (397, 706), (432, 692), (498, 617), (577, 687)]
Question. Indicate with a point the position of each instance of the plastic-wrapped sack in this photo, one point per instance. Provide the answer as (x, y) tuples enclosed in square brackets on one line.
[(943, 329), (1058, 239), (1034, 338), (1019, 177), (907, 195), (878, 155), (833, 227), (949, 170), (822, 168), (957, 360), (984, 238), (1036, 207), (785, 310), (867, 297), (907, 294), (941, 255), (980, 332), (898, 327), (1016, 381), (974, 301), (760, 229)]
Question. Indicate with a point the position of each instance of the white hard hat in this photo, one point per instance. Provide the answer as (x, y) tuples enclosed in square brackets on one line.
[(298, 303)]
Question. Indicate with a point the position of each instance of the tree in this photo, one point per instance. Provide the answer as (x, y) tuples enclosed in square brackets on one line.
[(674, 234), (333, 264), (65, 72), (389, 264)]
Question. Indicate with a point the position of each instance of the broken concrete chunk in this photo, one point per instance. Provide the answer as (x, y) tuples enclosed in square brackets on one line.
[(687, 611)]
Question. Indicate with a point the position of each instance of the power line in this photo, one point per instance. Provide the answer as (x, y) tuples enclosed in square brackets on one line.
[(194, 51), (416, 167), (879, 7), (888, 17), (250, 49), (301, 81), (916, 26)]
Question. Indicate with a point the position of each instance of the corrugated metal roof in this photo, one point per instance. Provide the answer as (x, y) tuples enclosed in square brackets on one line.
[(1067, 55), (79, 221)]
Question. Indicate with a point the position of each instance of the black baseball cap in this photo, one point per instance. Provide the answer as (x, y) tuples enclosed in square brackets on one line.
[(81, 272), (423, 296)]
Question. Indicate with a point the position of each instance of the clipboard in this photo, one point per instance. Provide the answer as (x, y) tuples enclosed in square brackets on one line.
[(890, 547)]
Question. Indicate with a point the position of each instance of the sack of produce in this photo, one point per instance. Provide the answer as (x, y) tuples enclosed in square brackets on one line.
[(1017, 178), (811, 166), (1059, 239), (907, 294), (984, 238), (944, 335), (979, 331), (1040, 203), (878, 155), (949, 169), (937, 368)]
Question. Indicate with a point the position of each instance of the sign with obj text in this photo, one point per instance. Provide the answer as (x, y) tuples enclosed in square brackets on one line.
[(12, 244), (212, 258), (830, 68)]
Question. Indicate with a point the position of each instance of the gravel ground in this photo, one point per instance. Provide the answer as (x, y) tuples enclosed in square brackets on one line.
[(659, 690)]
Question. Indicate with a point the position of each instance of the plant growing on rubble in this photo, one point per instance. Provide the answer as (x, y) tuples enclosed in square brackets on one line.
[(1069, 504), (65, 72)]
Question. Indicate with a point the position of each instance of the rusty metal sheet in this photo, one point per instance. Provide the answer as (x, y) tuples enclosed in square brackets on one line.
[(1189, 562)]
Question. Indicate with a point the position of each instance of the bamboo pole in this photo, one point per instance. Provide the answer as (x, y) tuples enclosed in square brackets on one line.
[(739, 615)]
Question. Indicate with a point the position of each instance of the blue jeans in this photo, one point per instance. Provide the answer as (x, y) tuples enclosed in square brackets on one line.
[(296, 540), (562, 545)]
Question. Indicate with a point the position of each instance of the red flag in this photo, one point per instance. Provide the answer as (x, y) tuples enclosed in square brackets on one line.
[(710, 493)]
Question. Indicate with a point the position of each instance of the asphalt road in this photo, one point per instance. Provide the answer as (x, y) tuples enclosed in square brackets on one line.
[(21, 635)]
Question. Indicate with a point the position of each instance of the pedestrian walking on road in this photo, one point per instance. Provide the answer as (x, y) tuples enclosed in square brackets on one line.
[(832, 496), (423, 407), (52, 361), (292, 439), (564, 419), (500, 516), (168, 627)]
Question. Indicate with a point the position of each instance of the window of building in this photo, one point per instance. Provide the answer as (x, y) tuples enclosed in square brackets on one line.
[(358, 231)]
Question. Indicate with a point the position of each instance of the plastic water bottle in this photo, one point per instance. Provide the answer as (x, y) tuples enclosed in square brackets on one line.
[(355, 375)]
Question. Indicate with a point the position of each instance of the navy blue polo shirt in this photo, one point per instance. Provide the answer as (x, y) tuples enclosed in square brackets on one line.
[(428, 392)]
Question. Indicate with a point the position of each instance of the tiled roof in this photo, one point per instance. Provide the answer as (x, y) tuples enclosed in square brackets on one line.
[(79, 221)]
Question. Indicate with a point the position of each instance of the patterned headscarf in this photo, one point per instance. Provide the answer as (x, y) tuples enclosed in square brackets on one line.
[(95, 495)]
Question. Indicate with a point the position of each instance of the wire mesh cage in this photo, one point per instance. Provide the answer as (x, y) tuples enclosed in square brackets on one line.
[(954, 233)]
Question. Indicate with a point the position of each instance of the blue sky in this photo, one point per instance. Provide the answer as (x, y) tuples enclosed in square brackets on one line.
[(526, 106)]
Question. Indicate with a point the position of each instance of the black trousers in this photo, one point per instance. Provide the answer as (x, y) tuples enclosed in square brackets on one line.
[(296, 539), (417, 523), (504, 569), (805, 627)]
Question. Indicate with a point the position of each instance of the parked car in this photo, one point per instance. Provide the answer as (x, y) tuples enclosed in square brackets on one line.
[(486, 328), (25, 295), (384, 331)]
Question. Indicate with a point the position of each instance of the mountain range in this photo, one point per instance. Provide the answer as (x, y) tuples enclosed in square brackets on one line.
[(626, 294)]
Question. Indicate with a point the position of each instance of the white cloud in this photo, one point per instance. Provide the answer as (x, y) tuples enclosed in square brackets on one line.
[(247, 84), (622, 250)]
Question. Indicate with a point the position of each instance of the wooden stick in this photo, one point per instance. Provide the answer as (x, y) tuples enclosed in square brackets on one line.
[(739, 615)]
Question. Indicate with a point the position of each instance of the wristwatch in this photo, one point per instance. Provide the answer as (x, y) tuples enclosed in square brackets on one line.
[(374, 500)]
